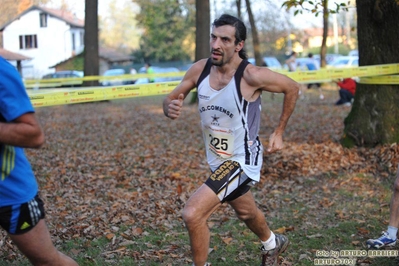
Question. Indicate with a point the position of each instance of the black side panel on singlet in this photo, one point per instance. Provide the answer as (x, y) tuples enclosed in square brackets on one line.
[(238, 75), (205, 72)]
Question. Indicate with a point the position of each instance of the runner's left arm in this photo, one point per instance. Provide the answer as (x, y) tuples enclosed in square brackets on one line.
[(274, 82)]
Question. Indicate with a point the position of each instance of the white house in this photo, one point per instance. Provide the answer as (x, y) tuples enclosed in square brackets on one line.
[(45, 35)]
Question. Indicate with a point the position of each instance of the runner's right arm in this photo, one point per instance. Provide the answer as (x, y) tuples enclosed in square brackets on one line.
[(173, 103)]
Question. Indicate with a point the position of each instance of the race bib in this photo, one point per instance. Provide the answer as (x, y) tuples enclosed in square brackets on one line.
[(219, 141)]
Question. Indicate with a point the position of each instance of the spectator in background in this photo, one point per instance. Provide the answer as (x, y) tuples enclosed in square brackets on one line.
[(149, 70), (133, 72), (347, 89), (313, 63), (293, 66), (291, 61)]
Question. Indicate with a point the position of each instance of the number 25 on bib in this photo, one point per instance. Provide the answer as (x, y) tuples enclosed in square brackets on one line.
[(219, 141)]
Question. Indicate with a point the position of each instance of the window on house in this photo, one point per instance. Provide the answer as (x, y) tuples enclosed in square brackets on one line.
[(73, 42), (81, 38), (43, 20), (27, 41)]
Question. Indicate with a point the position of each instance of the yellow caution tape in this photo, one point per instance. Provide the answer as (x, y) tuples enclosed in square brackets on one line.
[(93, 94), (380, 80), (329, 74), (59, 82), (378, 74)]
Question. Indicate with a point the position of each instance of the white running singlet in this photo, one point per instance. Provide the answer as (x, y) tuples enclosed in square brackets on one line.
[(230, 124)]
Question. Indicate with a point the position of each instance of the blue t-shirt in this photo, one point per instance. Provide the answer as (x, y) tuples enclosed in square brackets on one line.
[(311, 66), (17, 181)]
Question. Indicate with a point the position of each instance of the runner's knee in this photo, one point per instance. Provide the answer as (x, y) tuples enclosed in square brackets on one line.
[(245, 215), (190, 216)]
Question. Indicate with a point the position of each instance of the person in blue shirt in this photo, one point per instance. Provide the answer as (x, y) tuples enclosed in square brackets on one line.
[(21, 209)]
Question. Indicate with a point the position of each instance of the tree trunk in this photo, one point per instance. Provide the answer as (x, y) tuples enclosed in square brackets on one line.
[(323, 48), (202, 34), (374, 116), (91, 58), (238, 5), (255, 38)]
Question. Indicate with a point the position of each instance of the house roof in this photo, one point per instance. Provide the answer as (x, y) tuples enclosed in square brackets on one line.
[(11, 56), (112, 55), (108, 54), (60, 14)]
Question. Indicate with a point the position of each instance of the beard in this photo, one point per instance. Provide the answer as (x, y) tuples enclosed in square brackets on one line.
[(217, 62)]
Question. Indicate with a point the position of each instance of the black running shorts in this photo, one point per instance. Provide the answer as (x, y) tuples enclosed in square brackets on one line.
[(229, 181), (20, 218)]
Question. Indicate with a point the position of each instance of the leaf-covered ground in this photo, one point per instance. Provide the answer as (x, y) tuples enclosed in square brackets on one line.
[(118, 170)]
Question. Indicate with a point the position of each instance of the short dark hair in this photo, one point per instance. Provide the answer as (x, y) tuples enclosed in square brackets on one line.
[(241, 30), (310, 55)]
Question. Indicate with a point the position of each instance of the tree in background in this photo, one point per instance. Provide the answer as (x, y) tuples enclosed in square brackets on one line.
[(202, 34), (374, 116), (119, 29), (273, 26), (266, 27), (238, 5), (317, 7), (202, 29), (255, 37), (91, 58), (168, 29)]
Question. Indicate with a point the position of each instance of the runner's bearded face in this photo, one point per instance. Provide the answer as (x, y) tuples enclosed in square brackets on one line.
[(222, 44)]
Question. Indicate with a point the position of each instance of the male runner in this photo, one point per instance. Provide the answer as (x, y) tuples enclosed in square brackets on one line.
[(229, 94), (21, 209)]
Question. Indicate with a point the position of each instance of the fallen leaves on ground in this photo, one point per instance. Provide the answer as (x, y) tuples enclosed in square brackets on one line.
[(112, 169)]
